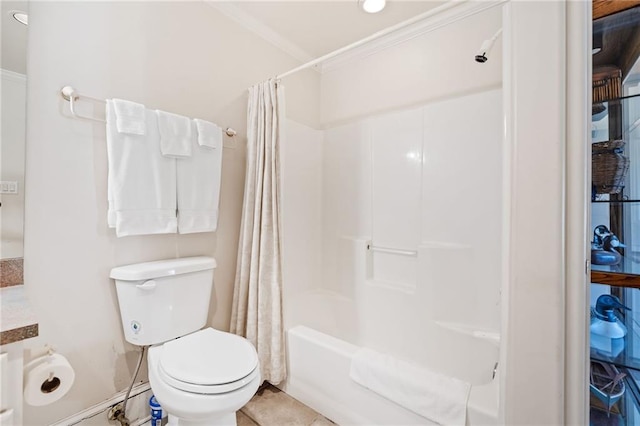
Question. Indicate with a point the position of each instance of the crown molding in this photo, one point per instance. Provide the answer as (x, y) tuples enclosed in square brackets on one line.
[(409, 32), (236, 14)]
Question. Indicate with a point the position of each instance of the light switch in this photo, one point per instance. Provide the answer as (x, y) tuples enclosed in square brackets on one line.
[(8, 187)]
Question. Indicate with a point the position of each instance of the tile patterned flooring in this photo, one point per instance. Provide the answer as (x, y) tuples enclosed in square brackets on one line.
[(272, 407)]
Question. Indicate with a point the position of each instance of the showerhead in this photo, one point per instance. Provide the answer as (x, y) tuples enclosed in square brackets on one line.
[(481, 58), (485, 49)]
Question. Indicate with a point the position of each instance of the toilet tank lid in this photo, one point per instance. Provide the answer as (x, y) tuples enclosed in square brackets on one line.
[(162, 268)]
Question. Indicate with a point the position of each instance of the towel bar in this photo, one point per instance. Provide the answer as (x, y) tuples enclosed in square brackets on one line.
[(69, 94)]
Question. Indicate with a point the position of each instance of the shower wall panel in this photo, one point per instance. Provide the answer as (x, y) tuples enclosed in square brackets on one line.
[(426, 181), (346, 198), (396, 157), (462, 205), (301, 209)]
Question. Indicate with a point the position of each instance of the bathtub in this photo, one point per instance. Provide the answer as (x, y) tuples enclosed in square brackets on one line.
[(319, 377), (319, 364)]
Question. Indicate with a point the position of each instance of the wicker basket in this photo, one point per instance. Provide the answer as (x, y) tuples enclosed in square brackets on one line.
[(609, 166), (607, 84)]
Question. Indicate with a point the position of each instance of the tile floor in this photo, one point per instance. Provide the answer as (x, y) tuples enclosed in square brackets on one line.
[(272, 407)]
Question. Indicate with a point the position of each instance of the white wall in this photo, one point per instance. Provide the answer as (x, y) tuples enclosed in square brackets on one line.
[(533, 358), (578, 128), (436, 65), (14, 91), (183, 57)]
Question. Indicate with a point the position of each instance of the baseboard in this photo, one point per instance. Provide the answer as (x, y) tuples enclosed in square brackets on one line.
[(137, 409)]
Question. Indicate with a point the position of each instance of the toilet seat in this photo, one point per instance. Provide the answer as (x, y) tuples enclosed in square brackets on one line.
[(208, 362), (207, 389)]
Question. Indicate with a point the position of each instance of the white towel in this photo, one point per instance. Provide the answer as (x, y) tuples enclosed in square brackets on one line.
[(209, 134), (199, 189), (175, 134), (436, 397), (130, 117), (141, 182)]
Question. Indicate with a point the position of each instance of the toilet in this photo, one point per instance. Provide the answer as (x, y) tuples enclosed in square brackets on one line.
[(200, 376)]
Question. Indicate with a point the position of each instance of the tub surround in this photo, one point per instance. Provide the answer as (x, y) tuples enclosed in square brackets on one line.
[(11, 272), (17, 320), (364, 296)]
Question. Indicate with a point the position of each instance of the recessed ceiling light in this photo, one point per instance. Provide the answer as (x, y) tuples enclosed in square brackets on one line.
[(373, 6), (21, 17)]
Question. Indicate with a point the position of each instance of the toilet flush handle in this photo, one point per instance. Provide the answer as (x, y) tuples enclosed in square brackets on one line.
[(147, 285)]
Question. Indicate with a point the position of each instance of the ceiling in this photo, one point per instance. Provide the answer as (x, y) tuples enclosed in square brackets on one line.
[(304, 29), (14, 37), (314, 28)]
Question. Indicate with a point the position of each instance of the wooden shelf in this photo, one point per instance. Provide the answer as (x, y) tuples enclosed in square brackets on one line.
[(618, 279), (603, 8)]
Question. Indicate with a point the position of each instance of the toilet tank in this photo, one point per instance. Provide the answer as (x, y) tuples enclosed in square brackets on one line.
[(163, 300)]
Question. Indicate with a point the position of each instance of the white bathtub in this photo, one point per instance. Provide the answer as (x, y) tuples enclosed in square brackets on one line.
[(319, 377), (325, 329)]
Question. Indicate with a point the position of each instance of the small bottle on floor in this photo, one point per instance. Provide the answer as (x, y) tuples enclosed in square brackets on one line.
[(156, 411)]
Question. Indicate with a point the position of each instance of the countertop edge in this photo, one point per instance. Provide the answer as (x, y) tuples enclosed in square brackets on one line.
[(18, 334), (17, 320)]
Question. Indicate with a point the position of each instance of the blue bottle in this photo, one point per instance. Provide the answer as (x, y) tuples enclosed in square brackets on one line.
[(156, 411)]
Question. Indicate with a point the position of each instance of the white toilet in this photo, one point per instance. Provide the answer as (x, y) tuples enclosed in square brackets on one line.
[(199, 376)]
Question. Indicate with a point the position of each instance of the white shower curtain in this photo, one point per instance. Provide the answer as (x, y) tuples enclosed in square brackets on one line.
[(257, 298)]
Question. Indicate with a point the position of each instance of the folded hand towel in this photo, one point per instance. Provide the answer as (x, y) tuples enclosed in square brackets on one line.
[(209, 134), (175, 134), (199, 189), (130, 117), (141, 182), (436, 397)]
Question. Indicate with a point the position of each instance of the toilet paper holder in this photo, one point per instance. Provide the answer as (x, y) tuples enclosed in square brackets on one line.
[(47, 378)]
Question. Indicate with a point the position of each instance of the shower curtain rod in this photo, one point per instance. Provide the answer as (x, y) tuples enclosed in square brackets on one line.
[(435, 11)]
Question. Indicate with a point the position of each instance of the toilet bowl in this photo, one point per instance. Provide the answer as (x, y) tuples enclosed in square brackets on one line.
[(200, 376), (204, 378)]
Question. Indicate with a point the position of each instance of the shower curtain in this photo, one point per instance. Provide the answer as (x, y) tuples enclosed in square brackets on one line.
[(257, 298)]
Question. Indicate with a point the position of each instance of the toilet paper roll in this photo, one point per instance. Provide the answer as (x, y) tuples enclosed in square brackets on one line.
[(47, 379)]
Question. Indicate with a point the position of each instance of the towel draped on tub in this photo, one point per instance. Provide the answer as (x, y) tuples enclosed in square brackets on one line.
[(436, 397)]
